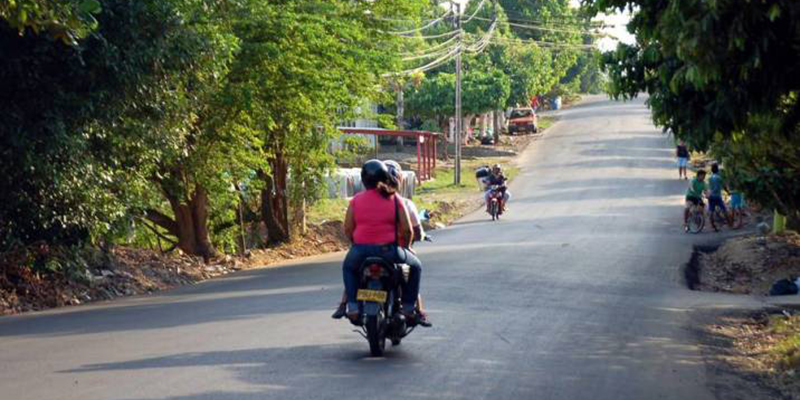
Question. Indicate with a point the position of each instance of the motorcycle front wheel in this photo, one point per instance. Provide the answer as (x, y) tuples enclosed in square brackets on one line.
[(375, 336)]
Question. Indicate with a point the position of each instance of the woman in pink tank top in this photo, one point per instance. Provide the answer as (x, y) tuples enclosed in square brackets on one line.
[(378, 225)]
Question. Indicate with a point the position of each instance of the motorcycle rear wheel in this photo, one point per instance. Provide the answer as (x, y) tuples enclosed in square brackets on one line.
[(377, 341)]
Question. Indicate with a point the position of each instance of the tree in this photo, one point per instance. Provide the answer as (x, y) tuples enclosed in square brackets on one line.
[(722, 76), (75, 138), (67, 20), (303, 67)]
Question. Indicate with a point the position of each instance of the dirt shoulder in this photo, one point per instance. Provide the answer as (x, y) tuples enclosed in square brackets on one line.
[(753, 355), (750, 354), (124, 271)]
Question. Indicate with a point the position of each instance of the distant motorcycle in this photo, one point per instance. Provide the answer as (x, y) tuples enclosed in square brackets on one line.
[(379, 294), (496, 193)]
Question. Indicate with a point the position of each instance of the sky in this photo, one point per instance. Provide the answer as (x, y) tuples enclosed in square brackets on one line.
[(617, 28)]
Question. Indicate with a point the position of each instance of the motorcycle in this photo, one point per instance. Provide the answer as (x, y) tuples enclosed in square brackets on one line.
[(495, 202), (379, 298)]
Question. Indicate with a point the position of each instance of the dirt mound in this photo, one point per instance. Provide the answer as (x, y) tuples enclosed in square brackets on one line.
[(750, 264), (327, 237)]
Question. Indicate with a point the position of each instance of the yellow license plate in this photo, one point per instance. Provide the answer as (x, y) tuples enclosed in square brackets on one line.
[(378, 296)]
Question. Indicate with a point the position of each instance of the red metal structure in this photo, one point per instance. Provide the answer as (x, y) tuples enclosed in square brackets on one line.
[(426, 146)]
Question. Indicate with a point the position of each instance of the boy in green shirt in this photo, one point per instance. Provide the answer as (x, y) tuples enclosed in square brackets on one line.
[(694, 195)]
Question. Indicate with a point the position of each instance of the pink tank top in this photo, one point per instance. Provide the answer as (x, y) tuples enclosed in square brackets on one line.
[(374, 217)]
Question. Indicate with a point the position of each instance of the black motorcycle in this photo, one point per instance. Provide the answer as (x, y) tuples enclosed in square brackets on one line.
[(379, 294)]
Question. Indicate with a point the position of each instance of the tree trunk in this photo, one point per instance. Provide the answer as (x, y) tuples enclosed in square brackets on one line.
[(496, 126), (190, 224), (400, 103), (199, 209), (444, 125), (274, 202)]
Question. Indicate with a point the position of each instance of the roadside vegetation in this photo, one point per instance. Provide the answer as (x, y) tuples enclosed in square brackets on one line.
[(722, 77), (203, 130)]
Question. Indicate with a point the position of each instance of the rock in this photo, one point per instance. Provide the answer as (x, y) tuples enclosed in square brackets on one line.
[(106, 273)]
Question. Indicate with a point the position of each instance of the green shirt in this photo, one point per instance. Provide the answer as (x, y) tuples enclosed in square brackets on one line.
[(696, 188)]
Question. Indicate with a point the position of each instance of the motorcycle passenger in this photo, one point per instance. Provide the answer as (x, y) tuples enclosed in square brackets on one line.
[(395, 171), (376, 221), (496, 178)]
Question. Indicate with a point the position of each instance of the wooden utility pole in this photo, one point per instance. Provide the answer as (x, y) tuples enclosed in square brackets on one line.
[(459, 121)]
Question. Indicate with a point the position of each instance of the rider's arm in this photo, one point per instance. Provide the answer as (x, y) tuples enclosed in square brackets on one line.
[(405, 230), (349, 223)]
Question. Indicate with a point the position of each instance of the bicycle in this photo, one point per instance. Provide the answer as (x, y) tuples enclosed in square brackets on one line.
[(697, 219)]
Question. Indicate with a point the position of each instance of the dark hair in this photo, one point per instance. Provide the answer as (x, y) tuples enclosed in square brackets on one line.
[(715, 168), (701, 172)]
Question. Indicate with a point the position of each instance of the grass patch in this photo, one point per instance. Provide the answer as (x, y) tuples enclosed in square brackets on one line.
[(546, 122), (787, 348), (327, 210)]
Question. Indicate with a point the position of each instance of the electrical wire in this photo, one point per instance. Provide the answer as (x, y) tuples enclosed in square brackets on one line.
[(428, 55), (422, 28), (432, 48), (540, 28), (484, 41), (433, 64), (441, 35), (502, 40), (477, 9)]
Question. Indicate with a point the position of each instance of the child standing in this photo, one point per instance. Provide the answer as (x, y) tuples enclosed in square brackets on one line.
[(683, 159)]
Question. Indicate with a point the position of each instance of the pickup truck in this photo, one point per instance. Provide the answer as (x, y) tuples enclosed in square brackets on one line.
[(522, 120)]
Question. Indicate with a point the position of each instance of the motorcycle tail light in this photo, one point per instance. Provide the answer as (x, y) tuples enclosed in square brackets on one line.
[(375, 271)]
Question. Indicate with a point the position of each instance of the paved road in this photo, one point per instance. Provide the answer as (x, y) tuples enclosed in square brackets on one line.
[(577, 294)]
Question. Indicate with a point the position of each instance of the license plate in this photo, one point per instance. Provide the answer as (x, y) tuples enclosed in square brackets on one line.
[(378, 296)]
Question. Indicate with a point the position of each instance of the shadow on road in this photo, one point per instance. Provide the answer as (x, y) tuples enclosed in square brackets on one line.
[(237, 297)]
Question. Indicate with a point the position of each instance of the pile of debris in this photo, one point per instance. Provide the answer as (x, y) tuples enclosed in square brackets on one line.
[(750, 264)]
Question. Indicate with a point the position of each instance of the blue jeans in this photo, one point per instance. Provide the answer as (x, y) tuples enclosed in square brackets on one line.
[(359, 252), (714, 202)]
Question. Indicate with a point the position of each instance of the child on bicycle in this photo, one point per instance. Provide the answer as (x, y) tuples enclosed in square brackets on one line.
[(694, 196)]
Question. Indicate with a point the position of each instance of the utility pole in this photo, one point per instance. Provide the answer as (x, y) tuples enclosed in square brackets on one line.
[(459, 121)]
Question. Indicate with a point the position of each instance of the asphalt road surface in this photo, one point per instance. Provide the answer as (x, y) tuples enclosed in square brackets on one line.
[(577, 293)]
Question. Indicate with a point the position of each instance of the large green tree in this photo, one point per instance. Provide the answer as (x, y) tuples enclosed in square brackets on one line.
[(721, 75), (82, 127), (304, 67)]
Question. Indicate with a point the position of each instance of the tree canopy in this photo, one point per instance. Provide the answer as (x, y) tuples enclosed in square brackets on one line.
[(723, 76)]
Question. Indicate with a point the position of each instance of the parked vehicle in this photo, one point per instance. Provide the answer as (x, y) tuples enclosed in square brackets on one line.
[(379, 294), (523, 120)]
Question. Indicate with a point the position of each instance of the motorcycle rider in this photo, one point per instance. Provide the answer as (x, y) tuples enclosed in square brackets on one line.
[(496, 178), (376, 222)]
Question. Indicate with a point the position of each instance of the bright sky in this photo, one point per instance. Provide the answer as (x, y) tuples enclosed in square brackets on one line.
[(617, 28)]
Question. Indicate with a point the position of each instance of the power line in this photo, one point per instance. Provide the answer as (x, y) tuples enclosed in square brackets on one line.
[(484, 41), (503, 40), (422, 28), (441, 35), (432, 48), (477, 9), (547, 29)]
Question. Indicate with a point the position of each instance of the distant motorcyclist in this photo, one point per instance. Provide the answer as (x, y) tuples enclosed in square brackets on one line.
[(496, 181)]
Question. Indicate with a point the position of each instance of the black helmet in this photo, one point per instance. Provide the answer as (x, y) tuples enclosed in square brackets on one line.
[(372, 172)]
